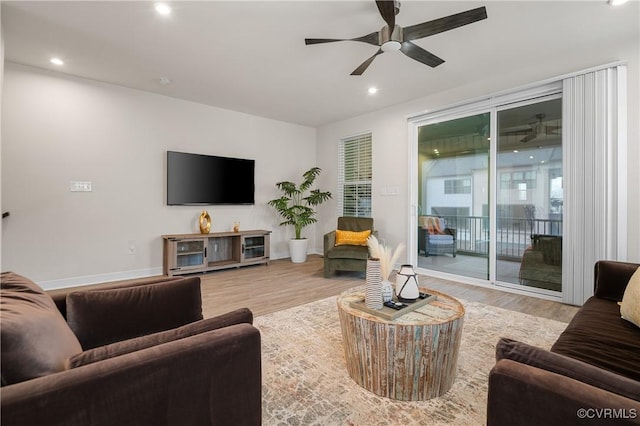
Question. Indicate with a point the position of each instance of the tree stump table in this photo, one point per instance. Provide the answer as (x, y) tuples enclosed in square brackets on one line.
[(411, 358)]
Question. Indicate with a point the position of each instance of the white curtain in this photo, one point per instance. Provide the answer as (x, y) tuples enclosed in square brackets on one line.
[(594, 155)]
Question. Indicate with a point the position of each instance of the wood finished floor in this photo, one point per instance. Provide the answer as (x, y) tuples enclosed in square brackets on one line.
[(282, 284)]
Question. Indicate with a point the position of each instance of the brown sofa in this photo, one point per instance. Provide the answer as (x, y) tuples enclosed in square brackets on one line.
[(591, 375), (131, 353)]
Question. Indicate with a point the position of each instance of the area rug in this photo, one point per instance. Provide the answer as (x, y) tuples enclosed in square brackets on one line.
[(305, 380)]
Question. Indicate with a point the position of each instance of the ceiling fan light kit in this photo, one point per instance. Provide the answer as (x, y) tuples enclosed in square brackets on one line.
[(393, 37), (391, 46)]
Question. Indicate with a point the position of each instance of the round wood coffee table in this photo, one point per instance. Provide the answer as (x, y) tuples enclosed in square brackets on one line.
[(411, 358)]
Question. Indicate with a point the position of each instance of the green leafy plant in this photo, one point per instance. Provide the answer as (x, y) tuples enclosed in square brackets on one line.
[(297, 201)]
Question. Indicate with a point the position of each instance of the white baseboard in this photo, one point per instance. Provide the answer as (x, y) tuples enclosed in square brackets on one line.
[(101, 278), (117, 276)]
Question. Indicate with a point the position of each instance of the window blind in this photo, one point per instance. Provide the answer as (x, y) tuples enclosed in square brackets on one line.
[(594, 144), (354, 181)]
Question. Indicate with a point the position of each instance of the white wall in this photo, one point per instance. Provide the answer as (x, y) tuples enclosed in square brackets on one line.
[(58, 129), (390, 140)]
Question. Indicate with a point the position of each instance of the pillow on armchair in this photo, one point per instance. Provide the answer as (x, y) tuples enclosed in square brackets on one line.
[(352, 238), (35, 339)]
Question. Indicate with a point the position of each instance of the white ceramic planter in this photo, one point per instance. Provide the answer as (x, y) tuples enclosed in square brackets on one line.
[(298, 250)]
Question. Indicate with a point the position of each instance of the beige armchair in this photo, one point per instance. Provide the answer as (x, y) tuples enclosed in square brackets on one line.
[(346, 257)]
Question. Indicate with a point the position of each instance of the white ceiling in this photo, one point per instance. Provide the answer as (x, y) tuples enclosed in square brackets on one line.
[(251, 57)]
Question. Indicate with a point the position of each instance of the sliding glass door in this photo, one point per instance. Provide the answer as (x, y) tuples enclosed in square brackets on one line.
[(490, 194), (529, 195), (453, 196)]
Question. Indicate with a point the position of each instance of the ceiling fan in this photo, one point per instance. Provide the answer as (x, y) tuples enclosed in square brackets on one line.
[(394, 37), (538, 129)]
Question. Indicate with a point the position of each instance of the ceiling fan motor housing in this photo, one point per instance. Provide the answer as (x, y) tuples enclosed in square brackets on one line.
[(390, 42), (384, 35)]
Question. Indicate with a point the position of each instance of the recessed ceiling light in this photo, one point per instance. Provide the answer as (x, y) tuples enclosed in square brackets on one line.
[(56, 61), (163, 9), (373, 90), (617, 2)]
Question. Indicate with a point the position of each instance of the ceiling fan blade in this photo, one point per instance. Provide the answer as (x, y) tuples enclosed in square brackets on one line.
[(447, 23), (419, 54), (372, 38), (531, 136), (387, 9), (363, 67), (309, 41)]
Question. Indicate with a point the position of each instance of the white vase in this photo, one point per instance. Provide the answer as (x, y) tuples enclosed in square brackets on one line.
[(387, 291), (298, 250), (373, 285), (407, 284)]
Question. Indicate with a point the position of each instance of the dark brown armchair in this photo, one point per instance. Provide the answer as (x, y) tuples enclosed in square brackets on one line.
[(346, 257), (131, 354)]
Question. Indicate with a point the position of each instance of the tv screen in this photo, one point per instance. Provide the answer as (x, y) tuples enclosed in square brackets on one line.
[(194, 179)]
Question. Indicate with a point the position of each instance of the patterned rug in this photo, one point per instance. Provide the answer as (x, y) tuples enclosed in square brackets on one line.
[(305, 381)]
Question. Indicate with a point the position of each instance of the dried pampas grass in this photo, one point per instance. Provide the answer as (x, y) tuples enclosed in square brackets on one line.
[(382, 253)]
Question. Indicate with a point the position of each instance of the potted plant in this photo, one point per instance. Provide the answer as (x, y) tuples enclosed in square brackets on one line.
[(296, 207)]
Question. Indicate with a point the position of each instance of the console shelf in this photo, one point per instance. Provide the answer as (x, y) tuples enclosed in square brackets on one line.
[(196, 253)]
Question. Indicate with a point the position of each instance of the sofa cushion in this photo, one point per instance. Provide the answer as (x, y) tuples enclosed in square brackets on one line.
[(349, 252), (35, 339), (568, 367), (59, 296), (440, 239), (630, 305), (100, 317), (101, 353), (598, 336)]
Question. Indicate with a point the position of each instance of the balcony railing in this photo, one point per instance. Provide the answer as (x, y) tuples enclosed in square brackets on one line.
[(513, 235)]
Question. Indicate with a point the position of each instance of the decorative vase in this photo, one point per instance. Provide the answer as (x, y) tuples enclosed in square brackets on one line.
[(298, 250), (407, 284), (373, 285), (205, 222), (387, 291)]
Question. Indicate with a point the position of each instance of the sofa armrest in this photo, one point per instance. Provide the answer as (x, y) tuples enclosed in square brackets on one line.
[(101, 353), (567, 367), (528, 396), (329, 242), (210, 378), (611, 278)]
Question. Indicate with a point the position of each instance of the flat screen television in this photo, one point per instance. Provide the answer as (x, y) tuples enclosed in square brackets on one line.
[(195, 179)]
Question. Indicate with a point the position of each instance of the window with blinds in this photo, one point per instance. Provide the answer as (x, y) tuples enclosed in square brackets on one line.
[(354, 182)]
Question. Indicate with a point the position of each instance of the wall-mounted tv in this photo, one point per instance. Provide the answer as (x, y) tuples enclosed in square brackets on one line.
[(195, 179)]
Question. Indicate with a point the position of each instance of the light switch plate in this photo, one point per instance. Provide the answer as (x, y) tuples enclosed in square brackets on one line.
[(80, 186)]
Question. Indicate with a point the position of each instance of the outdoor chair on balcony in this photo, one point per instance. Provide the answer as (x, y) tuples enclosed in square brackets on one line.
[(438, 239)]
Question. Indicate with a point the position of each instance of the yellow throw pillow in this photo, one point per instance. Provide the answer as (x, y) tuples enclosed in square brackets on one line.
[(352, 238), (630, 305)]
